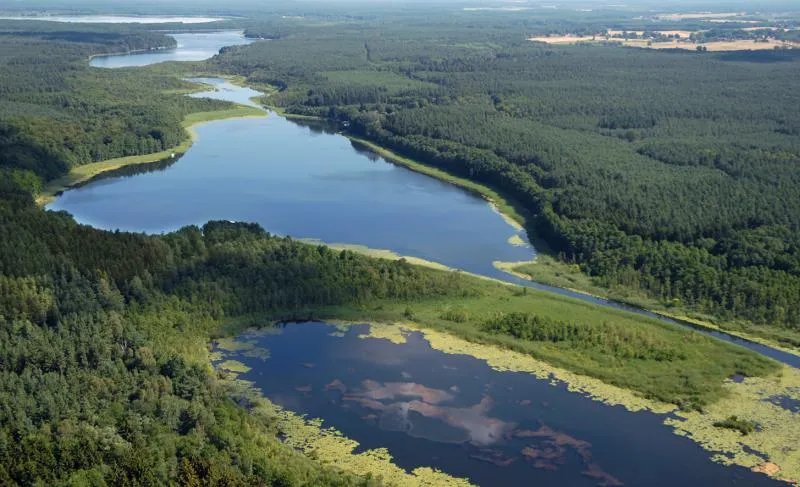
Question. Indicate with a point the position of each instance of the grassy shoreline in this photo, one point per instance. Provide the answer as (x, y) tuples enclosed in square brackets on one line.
[(81, 174)]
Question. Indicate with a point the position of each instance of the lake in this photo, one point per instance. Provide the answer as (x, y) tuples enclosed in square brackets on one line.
[(191, 47), (455, 413), (306, 181), (298, 179)]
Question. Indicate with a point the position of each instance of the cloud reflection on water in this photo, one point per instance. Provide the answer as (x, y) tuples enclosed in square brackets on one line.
[(480, 428)]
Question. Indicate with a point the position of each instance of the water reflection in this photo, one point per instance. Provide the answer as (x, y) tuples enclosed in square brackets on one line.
[(365, 151), (131, 171), (317, 127), (454, 413), (480, 429)]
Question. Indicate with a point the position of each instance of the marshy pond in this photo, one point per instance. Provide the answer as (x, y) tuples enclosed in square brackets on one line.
[(456, 414)]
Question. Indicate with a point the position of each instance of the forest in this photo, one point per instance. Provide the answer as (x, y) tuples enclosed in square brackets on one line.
[(56, 112), (104, 336), (673, 174)]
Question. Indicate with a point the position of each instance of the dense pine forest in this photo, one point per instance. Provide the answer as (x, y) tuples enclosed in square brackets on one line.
[(669, 173)]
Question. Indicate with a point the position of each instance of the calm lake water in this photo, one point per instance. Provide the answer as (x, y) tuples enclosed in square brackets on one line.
[(455, 413), (191, 47)]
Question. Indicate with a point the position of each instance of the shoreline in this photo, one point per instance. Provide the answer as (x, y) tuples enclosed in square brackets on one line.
[(124, 53), (507, 209), (394, 256), (503, 206)]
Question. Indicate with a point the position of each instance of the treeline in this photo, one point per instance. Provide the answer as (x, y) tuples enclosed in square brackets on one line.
[(671, 173)]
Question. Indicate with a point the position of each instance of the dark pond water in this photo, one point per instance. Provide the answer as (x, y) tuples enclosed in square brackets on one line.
[(454, 413), (191, 47)]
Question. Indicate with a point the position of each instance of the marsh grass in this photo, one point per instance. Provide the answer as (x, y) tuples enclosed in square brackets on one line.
[(234, 366), (720, 427), (331, 448), (733, 422)]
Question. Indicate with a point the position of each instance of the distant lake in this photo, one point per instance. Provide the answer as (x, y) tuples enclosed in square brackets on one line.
[(456, 414), (191, 47), (114, 19)]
